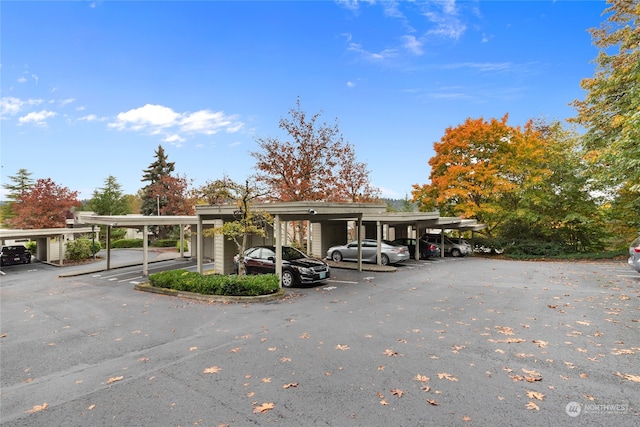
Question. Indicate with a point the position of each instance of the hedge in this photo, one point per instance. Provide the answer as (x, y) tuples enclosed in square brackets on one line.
[(215, 284)]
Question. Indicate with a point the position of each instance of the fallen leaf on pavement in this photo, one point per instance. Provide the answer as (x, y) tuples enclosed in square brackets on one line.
[(422, 378), (114, 379), (535, 395), (38, 408), (290, 385), (532, 405), (212, 370), (397, 392), (432, 402), (444, 375), (267, 406)]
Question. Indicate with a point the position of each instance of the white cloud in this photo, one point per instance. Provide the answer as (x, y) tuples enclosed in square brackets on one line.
[(89, 118), (37, 118), (22, 79), (10, 106), (413, 45), (173, 126), (351, 84), (372, 56)]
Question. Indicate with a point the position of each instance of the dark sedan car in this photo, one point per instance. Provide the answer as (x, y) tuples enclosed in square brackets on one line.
[(15, 254), (427, 250), (297, 268)]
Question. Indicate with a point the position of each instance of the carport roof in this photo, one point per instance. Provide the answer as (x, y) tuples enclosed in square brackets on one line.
[(6, 234), (133, 221)]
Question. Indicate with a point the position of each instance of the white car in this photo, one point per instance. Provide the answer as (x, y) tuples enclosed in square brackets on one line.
[(634, 255), (391, 253)]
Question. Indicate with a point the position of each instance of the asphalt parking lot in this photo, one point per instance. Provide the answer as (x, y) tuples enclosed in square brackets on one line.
[(459, 341)]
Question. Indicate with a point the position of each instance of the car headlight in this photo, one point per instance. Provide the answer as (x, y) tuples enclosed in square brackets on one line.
[(304, 270)]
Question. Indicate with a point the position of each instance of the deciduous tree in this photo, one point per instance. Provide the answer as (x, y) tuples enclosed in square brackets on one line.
[(248, 220), (611, 109), (315, 164), (44, 205)]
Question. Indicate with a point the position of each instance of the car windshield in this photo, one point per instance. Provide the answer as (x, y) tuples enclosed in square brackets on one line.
[(289, 254)]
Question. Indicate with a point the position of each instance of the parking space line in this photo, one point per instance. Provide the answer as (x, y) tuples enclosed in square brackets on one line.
[(342, 281)]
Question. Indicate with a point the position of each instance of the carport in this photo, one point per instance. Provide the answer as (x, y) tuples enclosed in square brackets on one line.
[(139, 222), (43, 238), (320, 214)]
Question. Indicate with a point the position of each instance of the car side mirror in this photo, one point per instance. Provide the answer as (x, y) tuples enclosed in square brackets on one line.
[(272, 259)]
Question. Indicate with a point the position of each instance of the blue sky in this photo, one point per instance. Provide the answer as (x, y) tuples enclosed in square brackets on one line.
[(90, 89)]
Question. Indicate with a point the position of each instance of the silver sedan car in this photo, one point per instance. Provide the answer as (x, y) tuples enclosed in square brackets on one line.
[(634, 255), (390, 252)]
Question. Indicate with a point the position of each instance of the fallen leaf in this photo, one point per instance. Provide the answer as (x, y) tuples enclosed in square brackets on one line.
[(397, 392), (444, 375), (193, 348), (540, 343), (304, 335), (532, 405), (266, 380), (114, 379), (90, 408), (390, 353), (38, 408), (582, 322), (425, 388), (505, 330), (383, 402), (212, 370), (290, 385), (263, 408), (535, 395), (630, 377), (143, 359), (432, 402), (591, 398), (422, 378), (342, 347), (466, 418), (3, 336), (235, 350), (285, 359)]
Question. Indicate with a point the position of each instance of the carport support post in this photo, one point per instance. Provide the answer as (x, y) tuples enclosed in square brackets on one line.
[(181, 241), (278, 236), (145, 250), (379, 242), (199, 245), (416, 253), (61, 250), (359, 234), (108, 247)]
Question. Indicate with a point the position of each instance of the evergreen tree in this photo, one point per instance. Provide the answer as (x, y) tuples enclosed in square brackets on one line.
[(17, 185), (109, 200), (152, 175)]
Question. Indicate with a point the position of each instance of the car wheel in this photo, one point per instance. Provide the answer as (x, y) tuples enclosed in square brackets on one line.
[(384, 260), (336, 256), (455, 252), (287, 279)]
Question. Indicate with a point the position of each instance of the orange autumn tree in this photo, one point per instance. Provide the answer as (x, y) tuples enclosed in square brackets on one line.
[(482, 169), (44, 205)]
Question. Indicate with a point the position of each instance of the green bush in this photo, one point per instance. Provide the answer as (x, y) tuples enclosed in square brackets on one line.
[(31, 246), (186, 245), (164, 243), (127, 243), (79, 249), (96, 246), (182, 280)]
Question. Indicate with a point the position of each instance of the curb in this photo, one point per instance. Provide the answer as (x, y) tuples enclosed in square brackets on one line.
[(146, 287)]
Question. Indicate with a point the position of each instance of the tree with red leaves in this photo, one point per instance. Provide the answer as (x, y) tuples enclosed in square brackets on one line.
[(44, 205)]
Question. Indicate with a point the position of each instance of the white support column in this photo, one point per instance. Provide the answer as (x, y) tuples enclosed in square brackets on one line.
[(199, 246), (359, 235), (417, 251), (181, 240), (108, 247), (309, 251), (61, 250), (379, 240), (278, 246), (145, 250)]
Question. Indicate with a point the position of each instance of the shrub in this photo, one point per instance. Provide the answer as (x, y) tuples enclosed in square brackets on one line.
[(182, 280), (79, 249), (186, 245), (31, 246), (164, 243), (127, 243)]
